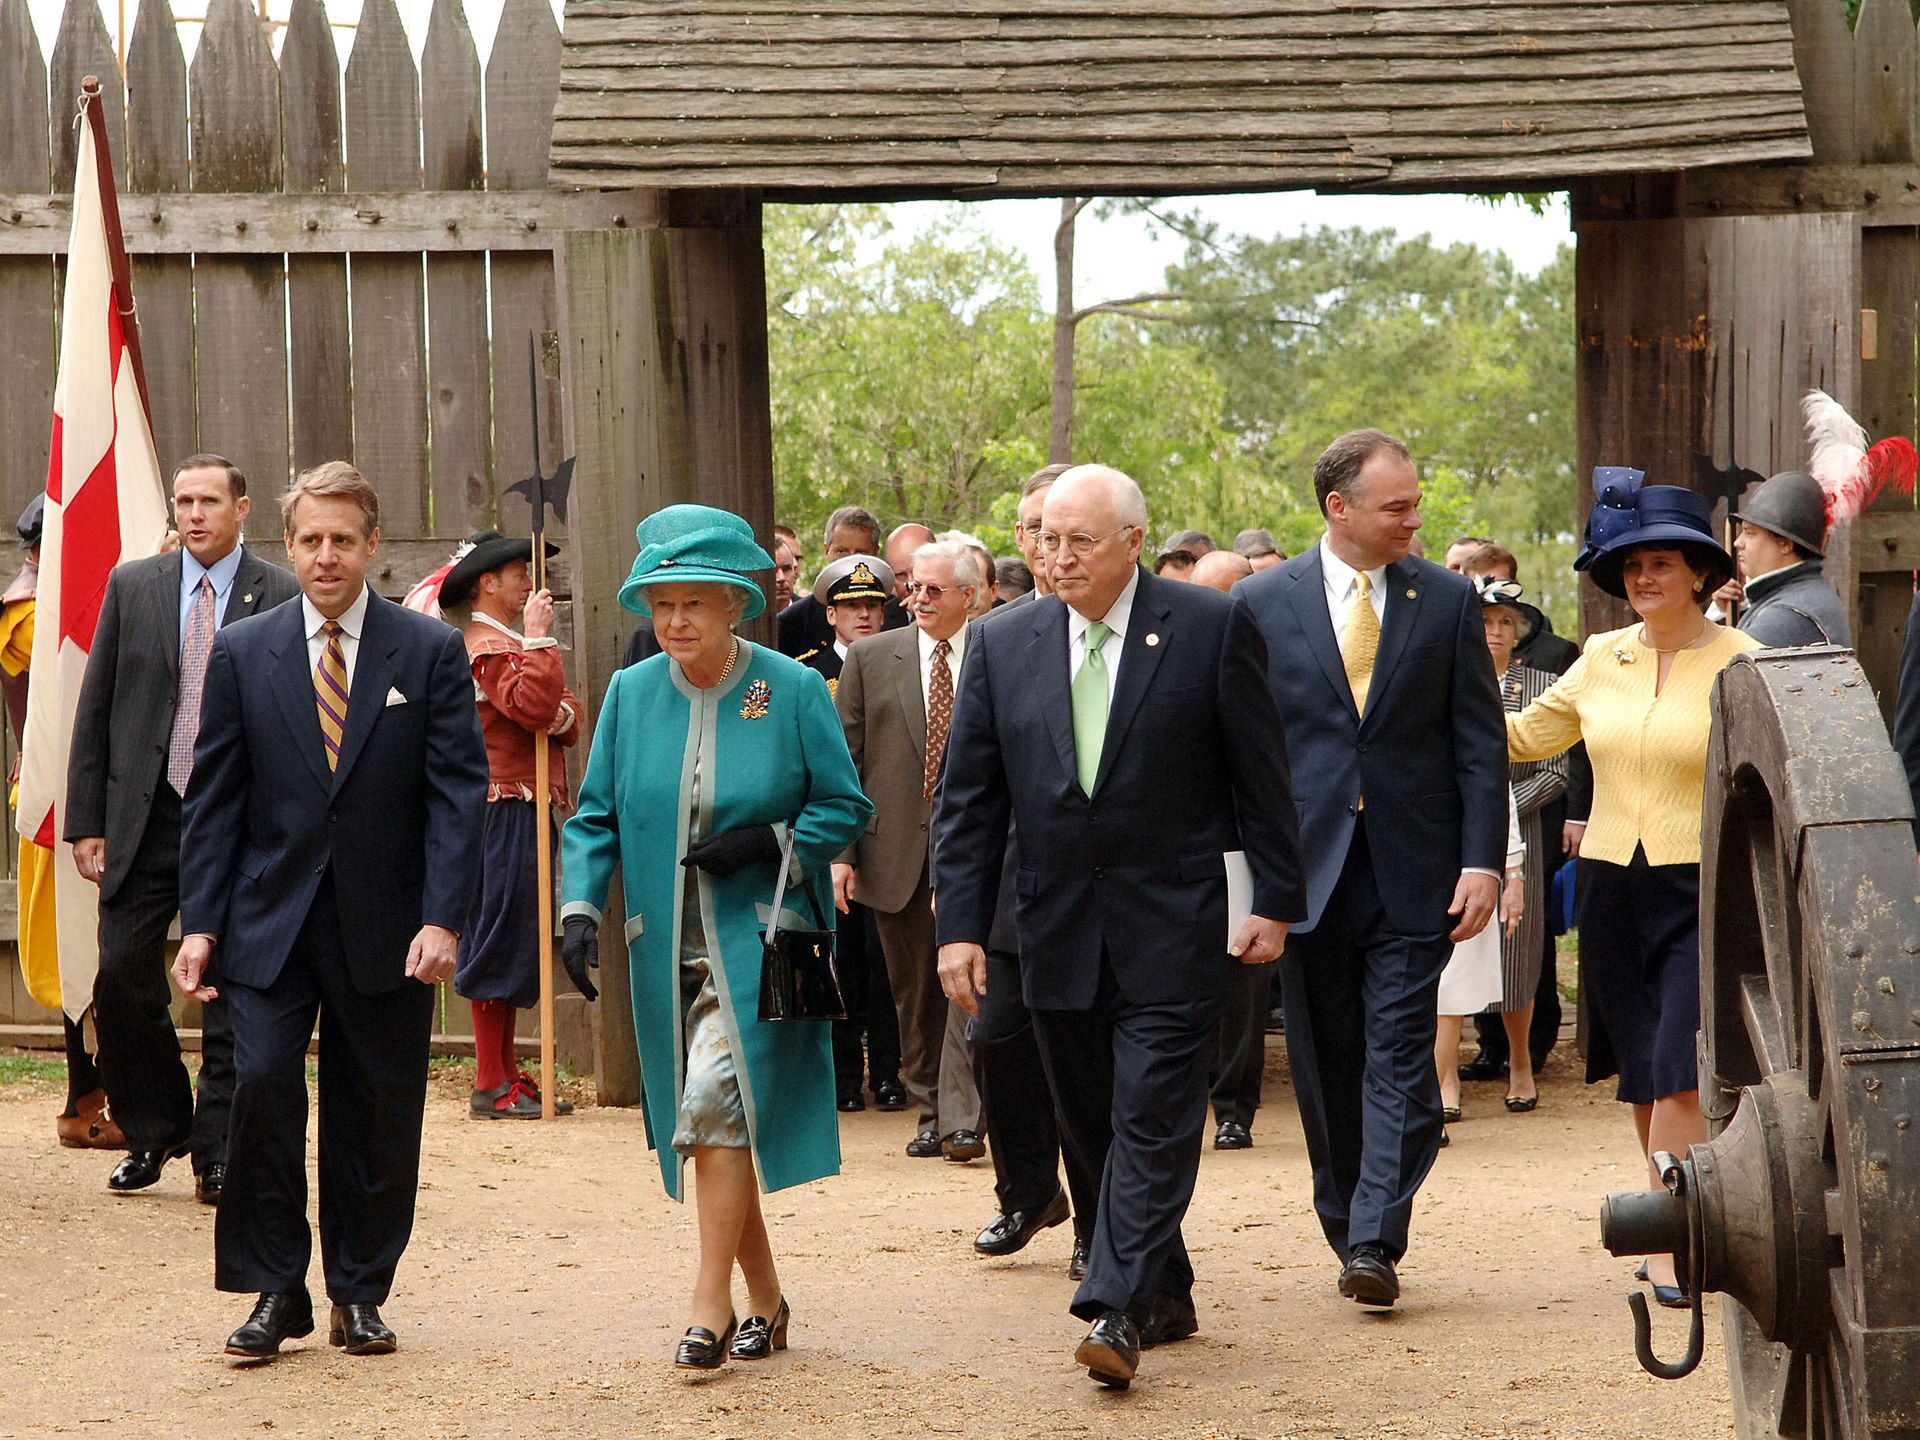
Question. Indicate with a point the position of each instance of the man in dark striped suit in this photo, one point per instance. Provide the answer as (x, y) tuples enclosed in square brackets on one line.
[(132, 755)]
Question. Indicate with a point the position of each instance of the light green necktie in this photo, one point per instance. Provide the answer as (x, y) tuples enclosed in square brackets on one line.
[(1090, 707)]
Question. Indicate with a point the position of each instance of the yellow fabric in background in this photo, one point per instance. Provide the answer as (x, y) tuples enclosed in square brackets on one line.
[(16, 636), (39, 950)]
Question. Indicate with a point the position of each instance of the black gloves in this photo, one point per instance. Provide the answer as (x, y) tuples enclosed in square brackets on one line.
[(733, 850), (579, 950)]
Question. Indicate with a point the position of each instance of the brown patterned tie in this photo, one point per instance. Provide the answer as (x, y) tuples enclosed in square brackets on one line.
[(939, 715)]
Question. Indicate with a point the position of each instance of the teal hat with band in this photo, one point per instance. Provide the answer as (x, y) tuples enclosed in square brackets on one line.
[(696, 545)]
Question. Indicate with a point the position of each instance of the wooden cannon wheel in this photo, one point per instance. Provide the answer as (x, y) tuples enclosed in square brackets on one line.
[(1808, 1191)]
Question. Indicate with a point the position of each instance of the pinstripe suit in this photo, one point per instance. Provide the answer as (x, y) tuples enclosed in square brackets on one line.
[(117, 788)]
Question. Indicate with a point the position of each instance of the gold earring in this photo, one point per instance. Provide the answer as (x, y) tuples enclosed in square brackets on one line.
[(1698, 586)]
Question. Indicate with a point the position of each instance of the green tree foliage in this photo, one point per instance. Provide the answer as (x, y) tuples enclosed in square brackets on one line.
[(910, 375)]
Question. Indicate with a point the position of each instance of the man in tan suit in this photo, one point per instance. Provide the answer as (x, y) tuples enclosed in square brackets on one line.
[(896, 701)]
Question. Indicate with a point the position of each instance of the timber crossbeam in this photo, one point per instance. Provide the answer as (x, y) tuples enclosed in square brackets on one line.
[(384, 221)]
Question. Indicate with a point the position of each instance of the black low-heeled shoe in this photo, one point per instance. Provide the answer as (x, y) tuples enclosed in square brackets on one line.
[(760, 1337), (1518, 1106), (1449, 1114), (701, 1349)]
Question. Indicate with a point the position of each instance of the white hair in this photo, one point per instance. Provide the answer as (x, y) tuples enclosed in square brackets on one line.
[(1129, 502), (966, 568)]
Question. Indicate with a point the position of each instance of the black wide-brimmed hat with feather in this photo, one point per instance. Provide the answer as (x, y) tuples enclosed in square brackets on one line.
[(484, 553)]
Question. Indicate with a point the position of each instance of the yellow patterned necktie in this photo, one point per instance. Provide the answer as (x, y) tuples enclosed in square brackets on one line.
[(330, 693), (1362, 642)]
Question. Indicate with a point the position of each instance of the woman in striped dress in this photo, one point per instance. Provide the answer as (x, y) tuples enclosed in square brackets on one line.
[(1536, 784)]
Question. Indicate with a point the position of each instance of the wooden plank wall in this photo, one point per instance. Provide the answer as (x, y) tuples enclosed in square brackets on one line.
[(420, 377), (417, 372)]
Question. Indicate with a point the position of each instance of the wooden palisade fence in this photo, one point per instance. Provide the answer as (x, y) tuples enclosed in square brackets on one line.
[(327, 267)]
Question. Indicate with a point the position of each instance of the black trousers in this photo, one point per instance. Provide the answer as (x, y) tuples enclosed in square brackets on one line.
[(1360, 1000), (866, 1045), (1240, 1054), (1017, 1104), (373, 1093), (1131, 1082), (140, 1065)]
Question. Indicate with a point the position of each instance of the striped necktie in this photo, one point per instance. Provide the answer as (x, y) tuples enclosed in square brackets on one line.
[(330, 693)]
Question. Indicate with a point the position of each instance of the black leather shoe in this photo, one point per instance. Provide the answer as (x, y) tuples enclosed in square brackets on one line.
[(1169, 1321), (1232, 1135), (357, 1328), (890, 1095), (848, 1104), (1111, 1351), (1010, 1232), (208, 1184), (701, 1349), (1368, 1277), (962, 1146), (1077, 1266), (285, 1315), (925, 1145), (1482, 1068), (759, 1337), (142, 1168)]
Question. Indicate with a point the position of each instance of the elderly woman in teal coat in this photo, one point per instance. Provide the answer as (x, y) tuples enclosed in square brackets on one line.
[(697, 830)]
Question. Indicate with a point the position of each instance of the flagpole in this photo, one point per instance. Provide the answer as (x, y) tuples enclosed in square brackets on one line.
[(116, 244), (543, 805)]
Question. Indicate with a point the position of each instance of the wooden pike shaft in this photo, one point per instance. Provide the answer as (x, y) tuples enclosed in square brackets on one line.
[(542, 805)]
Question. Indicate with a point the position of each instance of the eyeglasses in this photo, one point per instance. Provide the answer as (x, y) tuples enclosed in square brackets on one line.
[(1080, 543), (931, 593)]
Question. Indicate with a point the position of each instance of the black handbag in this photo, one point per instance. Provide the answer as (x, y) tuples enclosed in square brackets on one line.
[(798, 977)]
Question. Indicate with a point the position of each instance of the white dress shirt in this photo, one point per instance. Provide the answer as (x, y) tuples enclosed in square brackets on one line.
[(351, 624), (1341, 579), (956, 648), (1116, 620)]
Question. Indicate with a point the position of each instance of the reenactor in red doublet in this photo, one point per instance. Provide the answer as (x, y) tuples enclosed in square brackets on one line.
[(520, 687)]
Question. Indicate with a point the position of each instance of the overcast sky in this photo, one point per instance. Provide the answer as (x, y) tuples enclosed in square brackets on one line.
[(1113, 258)]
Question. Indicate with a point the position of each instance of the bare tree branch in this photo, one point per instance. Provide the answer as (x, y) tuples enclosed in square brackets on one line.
[(1119, 306)]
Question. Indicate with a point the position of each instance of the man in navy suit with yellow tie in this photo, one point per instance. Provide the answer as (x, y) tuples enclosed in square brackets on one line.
[(339, 789), (1072, 710), (1379, 662)]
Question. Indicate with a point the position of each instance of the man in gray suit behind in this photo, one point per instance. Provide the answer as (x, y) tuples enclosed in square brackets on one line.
[(895, 699), (132, 755)]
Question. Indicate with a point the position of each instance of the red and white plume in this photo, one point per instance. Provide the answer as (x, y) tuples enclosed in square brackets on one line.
[(105, 503), (1850, 471)]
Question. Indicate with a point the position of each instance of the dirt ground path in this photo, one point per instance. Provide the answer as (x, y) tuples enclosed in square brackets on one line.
[(546, 1284)]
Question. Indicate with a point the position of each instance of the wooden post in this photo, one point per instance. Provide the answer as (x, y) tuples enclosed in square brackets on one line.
[(667, 371)]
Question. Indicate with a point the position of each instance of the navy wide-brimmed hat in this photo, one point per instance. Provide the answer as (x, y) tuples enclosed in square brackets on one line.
[(694, 545), (1627, 513)]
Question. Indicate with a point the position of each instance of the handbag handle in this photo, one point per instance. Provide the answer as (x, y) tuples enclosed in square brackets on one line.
[(780, 892)]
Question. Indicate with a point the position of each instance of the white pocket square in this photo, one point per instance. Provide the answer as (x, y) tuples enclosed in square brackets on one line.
[(394, 697)]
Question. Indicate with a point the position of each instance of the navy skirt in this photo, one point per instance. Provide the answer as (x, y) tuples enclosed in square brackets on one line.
[(1640, 955), (499, 955)]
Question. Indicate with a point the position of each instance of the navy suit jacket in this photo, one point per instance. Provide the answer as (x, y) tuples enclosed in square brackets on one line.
[(1429, 758), (399, 821), (1194, 764)]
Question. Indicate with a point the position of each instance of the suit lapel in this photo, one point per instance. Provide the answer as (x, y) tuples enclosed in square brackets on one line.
[(166, 602), (243, 596), (1048, 663), (1403, 607), (1308, 596), (293, 689), (373, 672), (906, 676), (1138, 662)]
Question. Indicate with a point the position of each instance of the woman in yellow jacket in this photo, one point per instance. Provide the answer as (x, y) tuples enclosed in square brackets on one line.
[(1641, 700)]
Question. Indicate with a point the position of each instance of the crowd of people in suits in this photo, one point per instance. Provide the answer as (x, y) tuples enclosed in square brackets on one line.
[(1385, 766)]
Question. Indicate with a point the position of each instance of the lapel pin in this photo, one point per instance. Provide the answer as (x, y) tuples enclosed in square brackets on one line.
[(1413, 594), (1153, 640), (246, 599)]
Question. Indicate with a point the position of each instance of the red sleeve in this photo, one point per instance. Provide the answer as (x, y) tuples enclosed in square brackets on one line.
[(526, 687)]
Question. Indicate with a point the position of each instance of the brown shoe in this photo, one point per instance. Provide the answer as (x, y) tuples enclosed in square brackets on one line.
[(92, 1128)]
